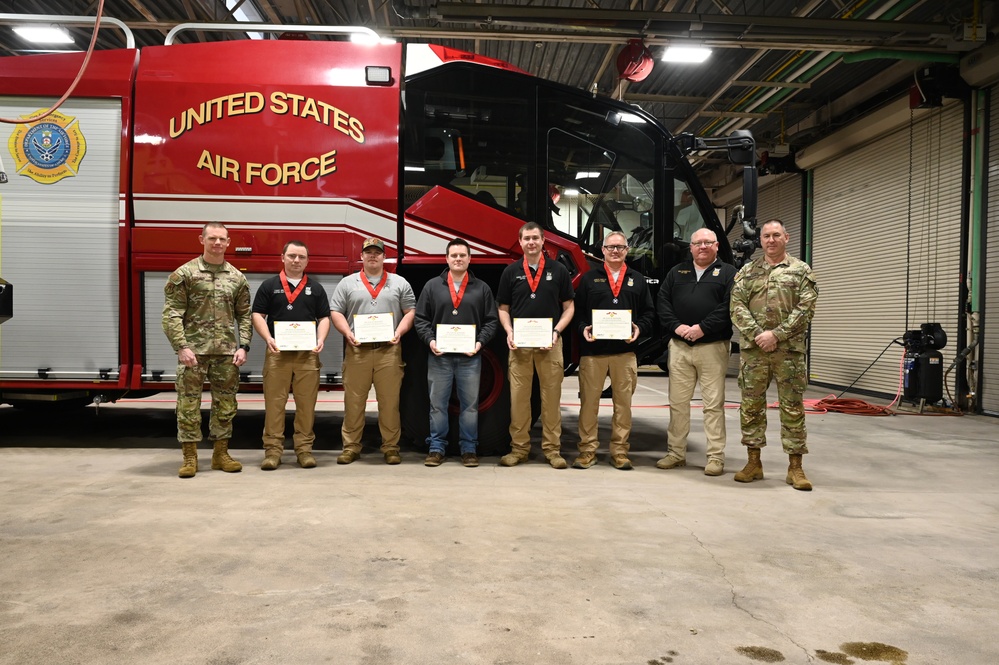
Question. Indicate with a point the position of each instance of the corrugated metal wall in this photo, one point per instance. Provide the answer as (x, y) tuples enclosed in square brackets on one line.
[(886, 245), (989, 353)]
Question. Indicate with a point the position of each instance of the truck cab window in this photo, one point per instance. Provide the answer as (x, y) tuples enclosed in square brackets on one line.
[(470, 131), (687, 217), (603, 170)]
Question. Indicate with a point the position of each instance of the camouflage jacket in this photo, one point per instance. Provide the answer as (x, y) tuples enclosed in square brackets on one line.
[(780, 298), (204, 304)]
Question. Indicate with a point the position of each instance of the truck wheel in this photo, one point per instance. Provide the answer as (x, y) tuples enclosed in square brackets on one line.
[(414, 398)]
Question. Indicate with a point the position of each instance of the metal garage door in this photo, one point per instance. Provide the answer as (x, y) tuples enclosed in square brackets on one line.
[(990, 351), (886, 244)]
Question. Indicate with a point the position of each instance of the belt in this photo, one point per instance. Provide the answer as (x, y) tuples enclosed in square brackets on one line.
[(372, 345)]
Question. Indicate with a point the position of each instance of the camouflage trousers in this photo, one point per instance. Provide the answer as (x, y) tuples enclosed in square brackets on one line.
[(756, 370), (223, 377)]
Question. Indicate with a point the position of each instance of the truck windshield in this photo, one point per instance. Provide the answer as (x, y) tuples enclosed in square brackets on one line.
[(579, 166)]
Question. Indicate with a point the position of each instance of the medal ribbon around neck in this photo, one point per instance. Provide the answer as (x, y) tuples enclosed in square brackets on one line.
[(533, 283), (287, 288), (456, 297), (378, 289), (615, 286)]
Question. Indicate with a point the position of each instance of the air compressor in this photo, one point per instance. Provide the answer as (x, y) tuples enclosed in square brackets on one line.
[(922, 364)]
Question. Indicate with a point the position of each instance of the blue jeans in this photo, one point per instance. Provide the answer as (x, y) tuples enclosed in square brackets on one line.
[(462, 372)]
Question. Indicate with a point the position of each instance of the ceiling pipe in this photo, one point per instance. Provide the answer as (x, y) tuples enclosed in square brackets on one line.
[(878, 54)]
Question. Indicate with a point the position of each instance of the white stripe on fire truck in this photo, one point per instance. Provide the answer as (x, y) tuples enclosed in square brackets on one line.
[(262, 212)]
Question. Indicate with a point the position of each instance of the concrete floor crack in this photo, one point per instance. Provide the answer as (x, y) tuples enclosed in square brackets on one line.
[(731, 585)]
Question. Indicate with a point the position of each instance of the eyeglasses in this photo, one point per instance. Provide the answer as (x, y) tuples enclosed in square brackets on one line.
[(616, 248), (704, 243)]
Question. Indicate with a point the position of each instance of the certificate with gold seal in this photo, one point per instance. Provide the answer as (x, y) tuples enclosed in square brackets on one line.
[(295, 335), (532, 333), (374, 327), (454, 338), (612, 324)]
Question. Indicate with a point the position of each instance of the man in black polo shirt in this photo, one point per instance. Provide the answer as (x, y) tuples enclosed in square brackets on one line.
[(532, 290), (694, 312), (606, 292), (291, 297)]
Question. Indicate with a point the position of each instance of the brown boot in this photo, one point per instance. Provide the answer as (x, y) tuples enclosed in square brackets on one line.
[(190, 465), (272, 459), (753, 469), (796, 475), (221, 459)]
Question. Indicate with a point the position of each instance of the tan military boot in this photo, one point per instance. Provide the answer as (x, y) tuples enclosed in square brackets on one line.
[(796, 475), (753, 469), (221, 459), (190, 465)]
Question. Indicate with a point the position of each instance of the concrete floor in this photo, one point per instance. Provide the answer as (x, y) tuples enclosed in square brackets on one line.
[(107, 557)]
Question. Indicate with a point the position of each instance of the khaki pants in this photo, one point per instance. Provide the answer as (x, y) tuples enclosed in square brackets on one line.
[(298, 370), (688, 365), (549, 367), (623, 371), (363, 366)]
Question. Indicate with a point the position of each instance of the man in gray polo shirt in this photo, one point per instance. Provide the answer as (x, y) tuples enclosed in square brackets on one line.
[(368, 292)]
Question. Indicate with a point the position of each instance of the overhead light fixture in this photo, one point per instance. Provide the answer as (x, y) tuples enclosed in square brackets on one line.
[(687, 54), (44, 34), (587, 174)]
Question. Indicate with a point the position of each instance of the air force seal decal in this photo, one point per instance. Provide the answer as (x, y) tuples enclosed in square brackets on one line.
[(48, 150)]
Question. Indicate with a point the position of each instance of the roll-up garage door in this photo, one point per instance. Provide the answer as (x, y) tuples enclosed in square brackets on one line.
[(779, 197), (885, 248), (990, 351)]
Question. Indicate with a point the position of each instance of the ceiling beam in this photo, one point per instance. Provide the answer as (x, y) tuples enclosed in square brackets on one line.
[(690, 23)]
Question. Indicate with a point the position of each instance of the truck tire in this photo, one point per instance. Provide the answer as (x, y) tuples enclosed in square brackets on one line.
[(494, 400)]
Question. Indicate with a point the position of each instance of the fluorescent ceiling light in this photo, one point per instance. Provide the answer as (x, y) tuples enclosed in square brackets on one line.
[(44, 34), (570, 192), (587, 174), (631, 117), (690, 54)]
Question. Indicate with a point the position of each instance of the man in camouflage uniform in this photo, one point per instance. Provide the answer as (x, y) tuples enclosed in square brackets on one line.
[(206, 299), (773, 300)]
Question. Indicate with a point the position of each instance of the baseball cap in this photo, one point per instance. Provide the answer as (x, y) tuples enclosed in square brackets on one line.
[(373, 242)]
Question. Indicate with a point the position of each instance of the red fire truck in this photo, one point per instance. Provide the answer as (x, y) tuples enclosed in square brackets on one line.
[(324, 141)]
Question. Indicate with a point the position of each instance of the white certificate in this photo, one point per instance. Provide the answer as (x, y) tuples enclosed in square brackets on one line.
[(455, 338), (295, 335), (374, 327), (612, 324), (532, 333)]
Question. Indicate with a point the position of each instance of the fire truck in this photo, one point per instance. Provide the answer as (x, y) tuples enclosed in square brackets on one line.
[(324, 141)]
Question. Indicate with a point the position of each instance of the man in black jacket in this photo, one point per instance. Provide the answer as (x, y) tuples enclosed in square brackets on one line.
[(605, 294), (455, 309), (694, 310)]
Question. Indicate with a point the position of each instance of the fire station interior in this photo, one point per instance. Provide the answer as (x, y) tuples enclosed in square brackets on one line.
[(876, 128)]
